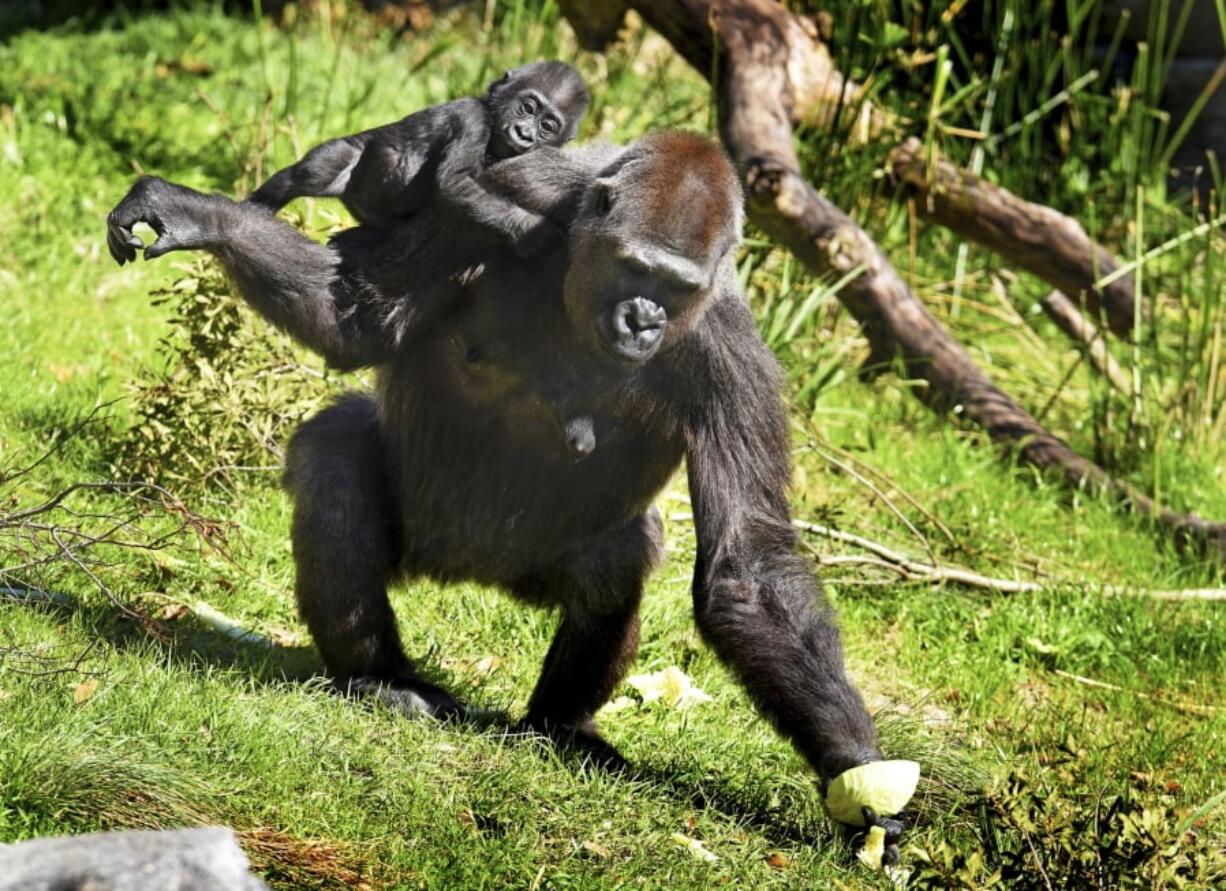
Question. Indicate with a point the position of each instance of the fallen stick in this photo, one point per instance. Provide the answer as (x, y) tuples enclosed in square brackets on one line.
[(1062, 311), (1039, 239), (207, 615), (1194, 708), (917, 570)]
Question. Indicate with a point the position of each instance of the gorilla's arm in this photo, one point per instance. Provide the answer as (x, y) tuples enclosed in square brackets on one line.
[(322, 172), (462, 190), (354, 301), (757, 602), (295, 283), (549, 181)]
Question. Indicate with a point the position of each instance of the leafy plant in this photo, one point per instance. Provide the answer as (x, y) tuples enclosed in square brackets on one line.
[(230, 391), (1034, 836)]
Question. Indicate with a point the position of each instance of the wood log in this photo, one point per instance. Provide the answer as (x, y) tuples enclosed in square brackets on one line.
[(1079, 329), (1036, 238), (769, 71)]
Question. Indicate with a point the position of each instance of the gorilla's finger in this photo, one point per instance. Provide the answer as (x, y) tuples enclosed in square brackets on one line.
[(122, 244), (115, 249), (164, 245)]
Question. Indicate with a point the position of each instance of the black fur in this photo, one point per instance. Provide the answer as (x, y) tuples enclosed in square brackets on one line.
[(458, 466), (389, 173)]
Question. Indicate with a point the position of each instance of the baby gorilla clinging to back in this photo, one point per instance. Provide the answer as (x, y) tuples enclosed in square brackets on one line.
[(388, 173)]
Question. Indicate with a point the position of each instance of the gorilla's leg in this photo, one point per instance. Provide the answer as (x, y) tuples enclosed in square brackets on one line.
[(345, 547), (599, 588)]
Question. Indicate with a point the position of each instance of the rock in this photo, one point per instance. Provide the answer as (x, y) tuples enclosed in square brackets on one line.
[(205, 859)]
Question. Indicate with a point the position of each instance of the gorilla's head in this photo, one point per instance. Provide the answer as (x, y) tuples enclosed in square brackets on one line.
[(645, 248)]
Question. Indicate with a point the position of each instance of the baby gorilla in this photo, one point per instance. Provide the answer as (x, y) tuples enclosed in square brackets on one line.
[(391, 172)]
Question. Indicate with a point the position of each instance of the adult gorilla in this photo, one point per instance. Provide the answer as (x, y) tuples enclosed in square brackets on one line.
[(527, 414)]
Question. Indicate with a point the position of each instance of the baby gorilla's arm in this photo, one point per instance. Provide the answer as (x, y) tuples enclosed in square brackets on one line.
[(529, 234)]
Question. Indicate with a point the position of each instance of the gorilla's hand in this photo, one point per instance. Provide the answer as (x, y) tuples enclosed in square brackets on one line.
[(179, 215), (893, 827)]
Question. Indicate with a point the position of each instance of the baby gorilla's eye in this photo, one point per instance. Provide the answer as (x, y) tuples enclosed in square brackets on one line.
[(550, 126), (527, 105)]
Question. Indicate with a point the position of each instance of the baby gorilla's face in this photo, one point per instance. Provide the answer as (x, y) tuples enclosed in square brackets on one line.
[(538, 104), (527, 120)]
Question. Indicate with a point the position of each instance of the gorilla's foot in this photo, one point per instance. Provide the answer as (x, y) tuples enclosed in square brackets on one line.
[(582, 740), (408, 696)]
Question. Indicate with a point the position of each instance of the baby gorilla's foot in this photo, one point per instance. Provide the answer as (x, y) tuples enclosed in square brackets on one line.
[(893, 826)]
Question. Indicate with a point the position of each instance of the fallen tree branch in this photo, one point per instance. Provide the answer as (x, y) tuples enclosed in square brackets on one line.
[(1039, 239), (1079, 329), (912, 570), (770, 71), (1194, 708), (916, 570)]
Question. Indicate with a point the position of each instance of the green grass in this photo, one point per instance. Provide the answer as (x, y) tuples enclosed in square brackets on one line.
[(981, 687)]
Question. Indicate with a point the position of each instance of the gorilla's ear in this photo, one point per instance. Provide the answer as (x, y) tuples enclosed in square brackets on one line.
[(501, 82)]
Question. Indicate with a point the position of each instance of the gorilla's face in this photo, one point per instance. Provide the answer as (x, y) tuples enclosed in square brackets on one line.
[(647, 243)]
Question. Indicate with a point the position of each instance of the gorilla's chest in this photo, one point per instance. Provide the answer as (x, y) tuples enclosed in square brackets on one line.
[(487, 488)]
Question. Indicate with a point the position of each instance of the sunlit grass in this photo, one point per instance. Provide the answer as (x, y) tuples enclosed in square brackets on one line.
[(978, 685)]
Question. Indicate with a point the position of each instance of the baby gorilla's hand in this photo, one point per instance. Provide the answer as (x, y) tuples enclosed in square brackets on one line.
[(537, 238)]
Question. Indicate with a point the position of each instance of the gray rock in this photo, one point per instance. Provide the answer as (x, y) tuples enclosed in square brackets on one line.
[(206, 859)]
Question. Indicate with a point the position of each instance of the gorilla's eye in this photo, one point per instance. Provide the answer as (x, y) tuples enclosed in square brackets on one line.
[(604, 201), (549, 126), (527, 105)]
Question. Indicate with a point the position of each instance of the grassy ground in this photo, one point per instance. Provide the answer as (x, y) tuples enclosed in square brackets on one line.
[(1069, 737)]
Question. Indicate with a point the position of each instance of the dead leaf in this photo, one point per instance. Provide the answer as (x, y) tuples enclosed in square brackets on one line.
[(778, 860), (672, 686), (283, 637), (696, 848), (84, 690), (619, 704), (63, 373), (172, 611), (597, 849)]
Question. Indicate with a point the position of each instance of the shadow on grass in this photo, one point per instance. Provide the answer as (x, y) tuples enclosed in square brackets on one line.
[(194, 646)]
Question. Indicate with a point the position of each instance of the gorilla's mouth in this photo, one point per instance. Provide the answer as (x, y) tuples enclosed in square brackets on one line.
[(519, 137), (637, 327)]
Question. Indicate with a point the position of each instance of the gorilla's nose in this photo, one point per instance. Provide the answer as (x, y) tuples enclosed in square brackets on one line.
[(638, 327), (581, 436), (523, 133)]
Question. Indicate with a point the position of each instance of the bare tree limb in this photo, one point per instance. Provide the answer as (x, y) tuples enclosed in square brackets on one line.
[(1062, 311), (1194, 708), (771, 72), (1039, 239), (910, 569)]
